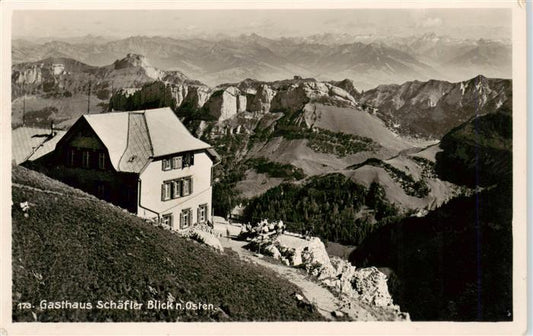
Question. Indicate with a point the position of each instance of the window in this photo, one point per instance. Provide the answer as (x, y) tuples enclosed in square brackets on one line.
[(86, 159), (71, 157), (101, 160), (186, 187), (185, 218), (177, 162), (202, 213), (166, 164), (166, 191), (100, 190), (176, 188), (188, 159), (167, 220)]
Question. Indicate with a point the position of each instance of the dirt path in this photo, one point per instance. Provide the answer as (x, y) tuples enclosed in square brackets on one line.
[(320, 296)]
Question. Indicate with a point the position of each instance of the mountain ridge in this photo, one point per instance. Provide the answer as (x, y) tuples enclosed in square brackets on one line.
[(272, 59)]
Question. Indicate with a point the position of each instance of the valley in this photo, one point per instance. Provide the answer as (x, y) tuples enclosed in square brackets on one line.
[(291, 132), (330, 161)]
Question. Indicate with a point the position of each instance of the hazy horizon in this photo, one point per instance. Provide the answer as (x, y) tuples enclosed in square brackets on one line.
[(456, 23)]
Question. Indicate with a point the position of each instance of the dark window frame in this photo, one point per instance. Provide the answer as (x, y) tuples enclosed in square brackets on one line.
[(175, 160), (166, 164), (164, 187), (102, 158), (188, 212), (71, 157), (185, 159), (168, 217), (203, 207), (86, 159), (171, 185)]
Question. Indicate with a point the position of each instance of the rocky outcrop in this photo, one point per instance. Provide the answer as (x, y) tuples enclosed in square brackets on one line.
[(196, 96), (204, 235), (348, 86), (367, 286), (225, 103), (262, 97), (31, 75), (311, 254), (222, 102), (261, 100), (179, 93)]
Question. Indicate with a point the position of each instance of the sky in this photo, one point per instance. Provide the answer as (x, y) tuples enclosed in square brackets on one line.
[(465, 23)]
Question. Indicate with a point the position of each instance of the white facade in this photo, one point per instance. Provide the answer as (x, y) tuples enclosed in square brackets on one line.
[(151, 203)]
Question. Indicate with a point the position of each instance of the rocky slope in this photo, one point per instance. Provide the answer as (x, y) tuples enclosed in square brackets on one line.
[(424, 109), (296, 125), (430, 109), (321, 128), (58, 88), (318, 127), (355, 286)]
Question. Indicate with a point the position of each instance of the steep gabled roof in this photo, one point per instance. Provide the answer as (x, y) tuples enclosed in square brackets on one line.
[(133, 137), (168, 134), (31, 143), (112, 129)]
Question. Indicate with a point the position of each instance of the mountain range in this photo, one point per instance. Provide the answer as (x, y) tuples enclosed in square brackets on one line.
[(385, 135), (414, 108), (396, 146), (367, 60)]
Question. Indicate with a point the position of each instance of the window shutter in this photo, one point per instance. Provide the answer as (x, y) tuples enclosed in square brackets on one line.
[(170, 220), (177, 162), (192, 158), (166, 164), (163, 192), (184, 187), (176, 189), (190, 185), (198, 214), (181, 220)]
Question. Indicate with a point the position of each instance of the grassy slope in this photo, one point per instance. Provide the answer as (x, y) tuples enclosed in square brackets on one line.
[(355, 121), (75, 247)]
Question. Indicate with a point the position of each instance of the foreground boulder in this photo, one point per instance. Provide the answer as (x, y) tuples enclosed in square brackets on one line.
[(363, 286)]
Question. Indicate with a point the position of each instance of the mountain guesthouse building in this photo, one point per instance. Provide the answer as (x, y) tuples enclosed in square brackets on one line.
[(144, 161)]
